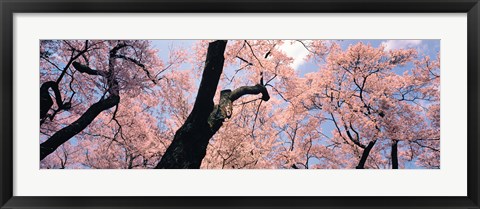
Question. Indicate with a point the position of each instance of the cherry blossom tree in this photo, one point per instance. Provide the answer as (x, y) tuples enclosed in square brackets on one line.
[(371, 105), (237, 104), (94, 76)]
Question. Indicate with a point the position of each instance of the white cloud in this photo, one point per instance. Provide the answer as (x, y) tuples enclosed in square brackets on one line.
[(400, 44), (296, 51)]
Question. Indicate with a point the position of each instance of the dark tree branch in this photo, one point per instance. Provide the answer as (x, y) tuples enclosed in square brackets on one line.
[(244, 90), (278, 92), (366, 152), (394, 155), (424, 146), (54, 65), (114, 50), (73, 58), (253, 53), (255, 118), (46, 101), (338, 128), (356, 141), (85, 69), (248, 63), (76, 127), (138, 63)]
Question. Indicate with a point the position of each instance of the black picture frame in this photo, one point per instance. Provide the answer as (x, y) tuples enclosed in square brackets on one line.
[(9, 7)]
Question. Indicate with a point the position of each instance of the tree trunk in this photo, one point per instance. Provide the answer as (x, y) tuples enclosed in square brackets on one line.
[(190, 142), (366, 152), (394, 155)]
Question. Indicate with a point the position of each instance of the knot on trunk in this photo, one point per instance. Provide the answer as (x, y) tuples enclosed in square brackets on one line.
[(225, 103), (221, 111)]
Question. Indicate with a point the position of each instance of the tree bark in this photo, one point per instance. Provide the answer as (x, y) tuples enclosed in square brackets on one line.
[(66, 133), (366, 152), (394, 155), (190, 142)]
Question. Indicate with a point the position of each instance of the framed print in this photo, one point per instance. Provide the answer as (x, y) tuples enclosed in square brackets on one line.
[(266, 104)]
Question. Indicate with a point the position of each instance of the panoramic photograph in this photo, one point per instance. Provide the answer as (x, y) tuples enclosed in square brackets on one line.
[(239, 104)]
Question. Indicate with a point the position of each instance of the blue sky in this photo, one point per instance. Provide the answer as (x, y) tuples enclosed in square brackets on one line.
[(424, 47)]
